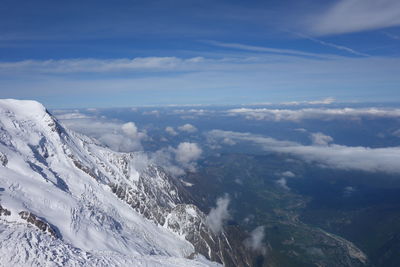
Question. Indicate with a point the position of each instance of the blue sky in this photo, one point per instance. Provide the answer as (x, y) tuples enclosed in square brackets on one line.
[(129, 53)]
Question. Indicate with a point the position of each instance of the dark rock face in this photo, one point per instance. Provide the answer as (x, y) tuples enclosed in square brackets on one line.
[(55, 125), (39, 223), (3, 159), (155, 194), (4, 211), (83, 168)]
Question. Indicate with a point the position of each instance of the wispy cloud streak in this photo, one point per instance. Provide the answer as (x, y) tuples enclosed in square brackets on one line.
[(267, 49), (347, 16), (332, 45)]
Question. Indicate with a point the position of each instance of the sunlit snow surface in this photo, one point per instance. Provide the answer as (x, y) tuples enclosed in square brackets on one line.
[(95, 228)]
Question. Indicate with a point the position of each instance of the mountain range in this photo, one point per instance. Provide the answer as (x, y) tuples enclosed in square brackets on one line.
[(67, 200)]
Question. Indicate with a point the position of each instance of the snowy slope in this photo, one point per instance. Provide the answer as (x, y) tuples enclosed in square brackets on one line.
[(67, 201)]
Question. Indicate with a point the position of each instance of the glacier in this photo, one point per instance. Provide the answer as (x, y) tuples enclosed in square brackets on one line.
[(66, 200)]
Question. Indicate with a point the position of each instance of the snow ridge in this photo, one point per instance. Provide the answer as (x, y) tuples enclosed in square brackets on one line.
[(66, 200)]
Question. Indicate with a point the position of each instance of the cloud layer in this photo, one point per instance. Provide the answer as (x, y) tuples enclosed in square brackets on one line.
[(332, 155), (100, 65), (314, 113), (123, 137), (126, 137), (245, 77)]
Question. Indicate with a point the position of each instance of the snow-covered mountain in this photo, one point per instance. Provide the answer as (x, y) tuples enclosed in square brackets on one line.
[(65, 200)]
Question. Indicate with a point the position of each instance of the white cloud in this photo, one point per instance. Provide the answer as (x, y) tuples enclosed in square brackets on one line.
[(126, 137), (313, 113), (219, 215), (348, 191), (215, 77), (347, 16), (193, 111), (119, 142), (152, 112), (72, 115), (325, 101), (321, 139), (282, 183), (123, 137), (131, 130), (238, 181), (171, 131), (396, 133), (228, 141), (187, 152), (301, 130), (332, 156), (165, 158), (101, 65), (255, 241), (187, 128), (288, 174), (177, 160)]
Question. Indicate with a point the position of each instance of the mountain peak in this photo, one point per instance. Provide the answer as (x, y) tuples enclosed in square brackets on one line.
[(26, 108)]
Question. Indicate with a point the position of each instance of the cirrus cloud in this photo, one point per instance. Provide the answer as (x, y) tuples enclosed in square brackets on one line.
[(347, 16)]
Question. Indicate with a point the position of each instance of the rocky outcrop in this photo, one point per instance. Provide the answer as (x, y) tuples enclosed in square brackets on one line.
[(82, 167), (39, 223), (163, 199), (154, 194), (225, 247), (54, 125), (3, 159), (4, 211)]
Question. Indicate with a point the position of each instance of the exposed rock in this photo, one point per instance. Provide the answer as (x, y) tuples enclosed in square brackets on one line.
[(39, 223), (4, 211), (3, 159), (225, 247), (83, 168), (163, 199), (54, 124)]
